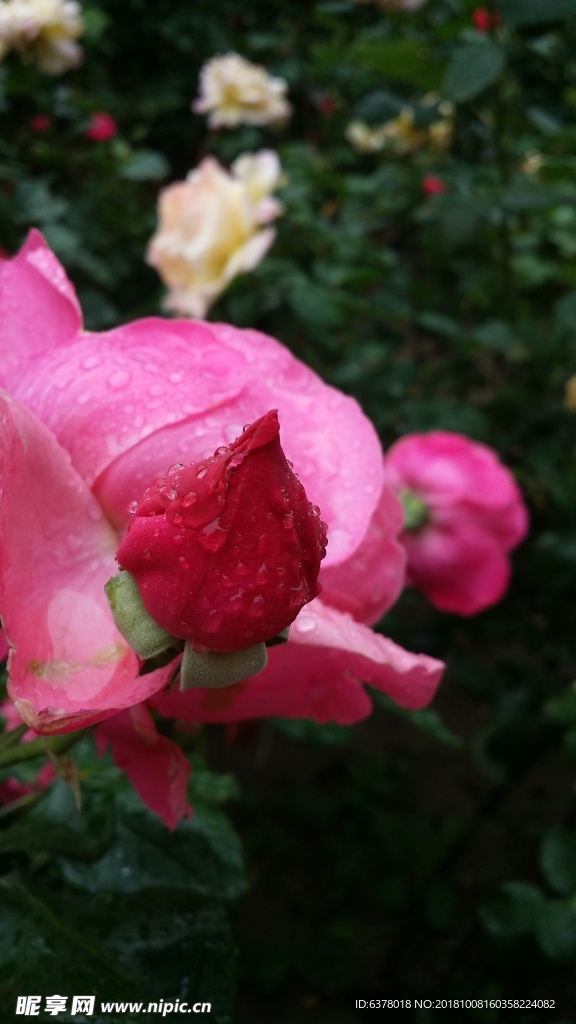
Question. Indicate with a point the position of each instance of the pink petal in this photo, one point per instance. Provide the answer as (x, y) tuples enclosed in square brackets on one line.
[(176, 390), (39, 310), (156, 766), (68, 665), (460, 568), (316, 675), (371, 580)]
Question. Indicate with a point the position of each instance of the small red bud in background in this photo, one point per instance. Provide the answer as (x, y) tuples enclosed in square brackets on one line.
[(101, 127), (434, 186), (40, 123), (485, 19), (327, 105)]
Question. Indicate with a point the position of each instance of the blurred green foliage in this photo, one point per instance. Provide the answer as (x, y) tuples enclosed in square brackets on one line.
[(428, 854)]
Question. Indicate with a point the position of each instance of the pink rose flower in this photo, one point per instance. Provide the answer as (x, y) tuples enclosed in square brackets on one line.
[(86, 421), (101, 127), (464, 513)]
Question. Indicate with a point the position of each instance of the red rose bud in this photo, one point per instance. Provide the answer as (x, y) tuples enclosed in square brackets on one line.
[(433, 186), (485, 19), (227, 551), (101, 127)]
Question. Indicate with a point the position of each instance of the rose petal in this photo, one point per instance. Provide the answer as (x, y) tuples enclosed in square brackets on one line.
[(316, 675), (68, 665), (39, 310), (156, 766), (370, 581)]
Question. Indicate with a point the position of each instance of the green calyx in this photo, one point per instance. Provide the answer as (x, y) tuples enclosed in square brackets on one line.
[(132, 620), (416, 512), (214, 671), (210, 669)]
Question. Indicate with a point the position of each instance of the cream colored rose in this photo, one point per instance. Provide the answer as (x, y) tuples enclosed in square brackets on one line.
[(365, 139), (44, 31), (401, 134), (210, 229), (234, 91)]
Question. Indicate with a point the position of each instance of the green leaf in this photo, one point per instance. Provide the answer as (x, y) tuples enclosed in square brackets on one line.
[(55, 825), (117, 947), (474, 67), (512, 910), (145, 165), (532, 12), (556, 929), (405, 60), (202, 857), (558, 859)]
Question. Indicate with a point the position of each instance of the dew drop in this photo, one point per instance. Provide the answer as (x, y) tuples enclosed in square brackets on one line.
[(119, 380), (175, 468), (90, 362), (313, 510), (171, 494), (201, 471), (223, 450), (288, 522), (188, 499), (306, 624), (241, 569), (236, 461), (185, 564), (156, 532), (177, 519), (133, 507)]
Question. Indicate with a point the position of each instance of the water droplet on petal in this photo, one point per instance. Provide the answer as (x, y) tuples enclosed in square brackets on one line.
[(90, 362), (305, 623), (201, 471), (188, 499), (175, 468), (119, 380), (223, 450), (133, 507), (185, 564), (171, 494), (177, 519)]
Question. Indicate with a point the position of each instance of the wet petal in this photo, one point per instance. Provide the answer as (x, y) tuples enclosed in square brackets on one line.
[(156, 766), (68, 665)]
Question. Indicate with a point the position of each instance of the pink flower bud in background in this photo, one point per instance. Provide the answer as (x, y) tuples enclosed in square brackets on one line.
[(463, 514), (101, 127)]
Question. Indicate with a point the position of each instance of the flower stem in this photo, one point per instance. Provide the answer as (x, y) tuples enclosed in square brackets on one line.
[(41, 747)]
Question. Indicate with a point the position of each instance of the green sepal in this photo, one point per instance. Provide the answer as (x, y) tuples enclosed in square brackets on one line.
[(214, 670), (132, 620)]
